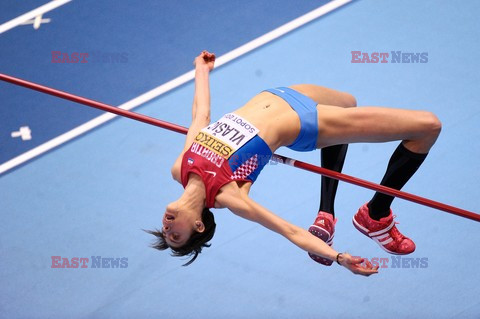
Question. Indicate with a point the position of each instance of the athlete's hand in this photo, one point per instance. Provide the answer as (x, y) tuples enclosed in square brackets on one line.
[(205, 59), (355, 265)]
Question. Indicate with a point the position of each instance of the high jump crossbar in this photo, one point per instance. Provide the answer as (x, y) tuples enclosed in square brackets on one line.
[(277, 158)]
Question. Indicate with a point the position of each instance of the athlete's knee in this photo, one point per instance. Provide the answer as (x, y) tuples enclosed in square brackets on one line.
[(349, 100), (430, 127), (432, 124)]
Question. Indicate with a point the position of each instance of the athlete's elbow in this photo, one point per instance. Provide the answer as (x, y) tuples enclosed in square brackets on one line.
[(202, 117), (301, 238), (292, 233)]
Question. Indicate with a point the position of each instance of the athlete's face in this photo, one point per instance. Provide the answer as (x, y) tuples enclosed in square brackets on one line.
[(177, 226)]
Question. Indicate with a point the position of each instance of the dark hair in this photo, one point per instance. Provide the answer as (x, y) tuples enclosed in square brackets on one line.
[(196, 242)]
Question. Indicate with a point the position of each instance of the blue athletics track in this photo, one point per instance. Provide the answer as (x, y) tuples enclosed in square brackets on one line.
[(76, 184)]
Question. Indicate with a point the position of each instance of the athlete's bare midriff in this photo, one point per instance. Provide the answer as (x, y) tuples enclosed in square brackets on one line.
[(277, 122)]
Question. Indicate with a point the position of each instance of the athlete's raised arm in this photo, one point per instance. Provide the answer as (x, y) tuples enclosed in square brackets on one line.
[(204, 63), (245, 207)]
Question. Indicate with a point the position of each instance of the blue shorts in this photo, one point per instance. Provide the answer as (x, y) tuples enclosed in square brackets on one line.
[(306, 109)]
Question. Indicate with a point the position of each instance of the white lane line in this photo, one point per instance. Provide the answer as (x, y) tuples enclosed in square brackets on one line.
[(32, 14), (268, 37), (282, 30)]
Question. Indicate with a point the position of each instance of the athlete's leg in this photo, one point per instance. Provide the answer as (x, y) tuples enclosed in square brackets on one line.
[(418, 131), (332, 157)]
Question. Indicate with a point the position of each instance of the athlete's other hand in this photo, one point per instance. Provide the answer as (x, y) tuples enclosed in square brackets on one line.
[(205, 59), (357, 265)]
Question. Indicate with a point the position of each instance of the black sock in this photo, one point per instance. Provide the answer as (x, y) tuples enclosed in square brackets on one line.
[(333, 158), (402, 165)]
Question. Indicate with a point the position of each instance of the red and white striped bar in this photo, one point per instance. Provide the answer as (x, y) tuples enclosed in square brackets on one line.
[(278, 158)]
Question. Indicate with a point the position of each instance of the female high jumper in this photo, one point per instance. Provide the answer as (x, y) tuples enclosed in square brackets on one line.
[(221, 160)]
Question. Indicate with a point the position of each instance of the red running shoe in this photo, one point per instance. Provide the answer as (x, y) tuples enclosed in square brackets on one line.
[(323, 228), (383, 232)]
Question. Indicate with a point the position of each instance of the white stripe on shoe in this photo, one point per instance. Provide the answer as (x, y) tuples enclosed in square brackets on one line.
[(382, 231), (360, 227), (386, 241), (378, 235)]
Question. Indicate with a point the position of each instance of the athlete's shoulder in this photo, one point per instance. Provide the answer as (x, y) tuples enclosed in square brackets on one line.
[(225, 194), (231, 196)]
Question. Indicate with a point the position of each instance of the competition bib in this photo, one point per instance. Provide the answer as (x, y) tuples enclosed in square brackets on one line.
[(226, 135)]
